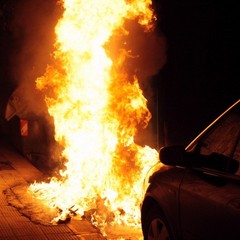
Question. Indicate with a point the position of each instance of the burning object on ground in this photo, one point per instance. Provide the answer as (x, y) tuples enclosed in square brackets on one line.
[(94, 96), (29, 132)]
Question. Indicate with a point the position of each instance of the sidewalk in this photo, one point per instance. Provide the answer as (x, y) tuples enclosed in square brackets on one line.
[(16, 171)]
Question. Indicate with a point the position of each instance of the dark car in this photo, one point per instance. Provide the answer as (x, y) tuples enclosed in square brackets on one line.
[(194, 192)]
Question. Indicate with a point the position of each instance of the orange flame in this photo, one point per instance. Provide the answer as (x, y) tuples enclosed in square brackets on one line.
[(97, 109)]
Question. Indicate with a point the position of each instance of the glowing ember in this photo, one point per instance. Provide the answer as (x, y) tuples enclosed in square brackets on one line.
[(97, 110)]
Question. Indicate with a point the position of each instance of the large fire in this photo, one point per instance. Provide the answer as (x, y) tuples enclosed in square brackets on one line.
[(97, 109)]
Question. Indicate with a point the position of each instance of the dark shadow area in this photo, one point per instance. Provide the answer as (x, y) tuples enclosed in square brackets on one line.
[(200, 78)]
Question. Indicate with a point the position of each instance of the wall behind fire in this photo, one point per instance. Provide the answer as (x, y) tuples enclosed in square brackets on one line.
[(28, 27), (200, 78), (198, 81), (26, 43)]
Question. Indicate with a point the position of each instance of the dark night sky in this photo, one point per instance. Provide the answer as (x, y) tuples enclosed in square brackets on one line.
[(200, 78)]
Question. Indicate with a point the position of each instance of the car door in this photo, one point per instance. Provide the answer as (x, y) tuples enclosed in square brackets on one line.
[(210, 191)]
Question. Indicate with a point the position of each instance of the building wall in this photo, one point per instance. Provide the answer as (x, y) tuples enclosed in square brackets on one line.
[(200, 77)]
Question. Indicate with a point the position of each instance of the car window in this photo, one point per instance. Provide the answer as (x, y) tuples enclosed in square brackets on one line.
[(236, 156), (224, 139)]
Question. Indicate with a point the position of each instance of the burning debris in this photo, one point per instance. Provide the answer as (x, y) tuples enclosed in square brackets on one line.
[(93, 94), (64, 217)]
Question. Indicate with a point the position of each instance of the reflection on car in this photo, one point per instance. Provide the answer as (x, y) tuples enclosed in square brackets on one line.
[(196, 193)]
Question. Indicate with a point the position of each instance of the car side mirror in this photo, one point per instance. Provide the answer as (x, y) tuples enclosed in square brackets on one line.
[(173, 156)]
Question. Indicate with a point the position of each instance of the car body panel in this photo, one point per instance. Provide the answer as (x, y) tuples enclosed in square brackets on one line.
[(209, 206), (199, 191), (168, 182)]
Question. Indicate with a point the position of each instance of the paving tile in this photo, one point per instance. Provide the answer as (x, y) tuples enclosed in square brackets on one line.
[(9, 211), (6, 232), (3, 185), (27, 231), (24, 224), (92, 236), (55, 229), (16, 219), (3, 201), (9, 238), (34, 237), (23, 167), (3, 224), (11, 178), (63, 236)]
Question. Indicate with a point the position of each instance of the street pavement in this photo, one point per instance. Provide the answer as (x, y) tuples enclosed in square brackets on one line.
[(17, 172)]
